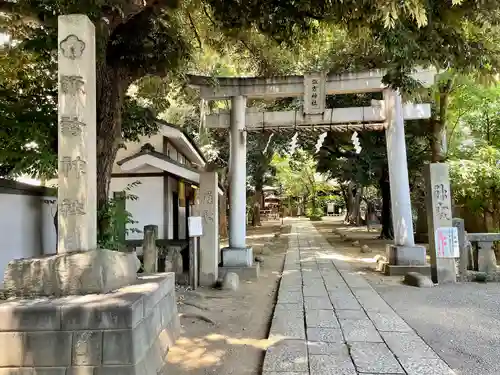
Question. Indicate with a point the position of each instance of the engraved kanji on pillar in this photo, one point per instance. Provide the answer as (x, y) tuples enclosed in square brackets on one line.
[(77, 208)]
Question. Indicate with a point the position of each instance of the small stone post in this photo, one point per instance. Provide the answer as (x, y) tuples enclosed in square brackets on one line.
[(77, 198), (149, 249), (438, 206), (464, 256)]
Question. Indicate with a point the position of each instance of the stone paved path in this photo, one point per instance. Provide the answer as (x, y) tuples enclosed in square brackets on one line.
[(332, 322)]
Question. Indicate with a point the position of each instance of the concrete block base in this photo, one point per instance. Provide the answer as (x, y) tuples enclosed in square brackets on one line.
[(244, 273), (406, 255), (75, 273), (126, 332), (237, 257), (396, 270)]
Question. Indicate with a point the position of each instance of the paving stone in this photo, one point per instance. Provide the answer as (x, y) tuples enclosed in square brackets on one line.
[(374, 357), (290, 296), (371, 301), (351, 314), (408, 344), (289, 307), (389, 322), (331, 348), (288, 324), (322, 319), (317, 303), (342, 265), (426, 366), (359, 330), (356, 281), (325, 335), (287, 355), (319, 291), (330, 365), (283, 373), (344, 302)]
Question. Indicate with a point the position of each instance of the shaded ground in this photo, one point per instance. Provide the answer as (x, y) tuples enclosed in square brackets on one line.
[(461, 322), (346, 250), (236, 340)]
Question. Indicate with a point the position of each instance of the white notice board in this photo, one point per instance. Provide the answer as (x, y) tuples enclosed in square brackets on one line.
[(195, 226), (446, 239)]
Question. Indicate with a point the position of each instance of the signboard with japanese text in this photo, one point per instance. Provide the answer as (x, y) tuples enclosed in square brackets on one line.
[(447, 245), (314, 93)]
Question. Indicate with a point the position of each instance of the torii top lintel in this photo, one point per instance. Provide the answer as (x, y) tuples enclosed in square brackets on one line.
[(289, 86)]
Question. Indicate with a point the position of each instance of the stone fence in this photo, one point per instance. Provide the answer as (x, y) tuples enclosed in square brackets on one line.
[(26, 222)]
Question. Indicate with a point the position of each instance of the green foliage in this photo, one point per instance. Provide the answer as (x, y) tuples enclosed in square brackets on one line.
[(117, 217), (476, 182)]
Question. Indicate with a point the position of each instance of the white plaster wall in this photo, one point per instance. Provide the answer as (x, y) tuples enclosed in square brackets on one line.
[(26, 228), (148, 208)]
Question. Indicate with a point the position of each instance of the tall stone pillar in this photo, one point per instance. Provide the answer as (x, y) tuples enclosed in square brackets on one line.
[(440, 222), (403, 252), (209, 241), (238, 174), (238, 254), (77, 204)]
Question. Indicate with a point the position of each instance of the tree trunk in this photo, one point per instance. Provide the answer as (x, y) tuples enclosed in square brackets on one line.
[(256, 205), (438, 141), (111, 90), (421, 229), (385, 190), (354, 195)]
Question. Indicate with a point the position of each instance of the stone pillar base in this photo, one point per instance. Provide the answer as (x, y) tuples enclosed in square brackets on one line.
[(234, 257), (74, 273), (406, 255), (128, 331), (244, 273)]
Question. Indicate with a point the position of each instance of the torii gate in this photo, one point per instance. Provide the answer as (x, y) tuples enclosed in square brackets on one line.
[(388, 114)]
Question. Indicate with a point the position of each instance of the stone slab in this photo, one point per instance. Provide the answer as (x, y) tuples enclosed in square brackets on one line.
[(244, 273), (322, 319), (328, 364), (406, 255), (289, 324), (317, 303), (234, 257), (325, 335), (389, 322), (330, 348), (128, 331), (351, 314), (359, 330), (374, 358), (71, 273), (395, 270), (408, 344), (426, 366), (287, 355)]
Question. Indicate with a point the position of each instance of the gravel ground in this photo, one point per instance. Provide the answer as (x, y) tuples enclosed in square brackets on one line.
[(460, 322)]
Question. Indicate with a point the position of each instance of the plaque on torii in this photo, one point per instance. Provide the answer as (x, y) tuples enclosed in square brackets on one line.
[(314, 93)]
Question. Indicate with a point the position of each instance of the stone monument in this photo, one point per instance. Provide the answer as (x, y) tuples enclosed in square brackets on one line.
[(100, 318), (209, 240), (438, 205)]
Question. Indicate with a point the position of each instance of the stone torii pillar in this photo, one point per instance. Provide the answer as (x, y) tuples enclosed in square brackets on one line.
[(403, 253), (237, 254)]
